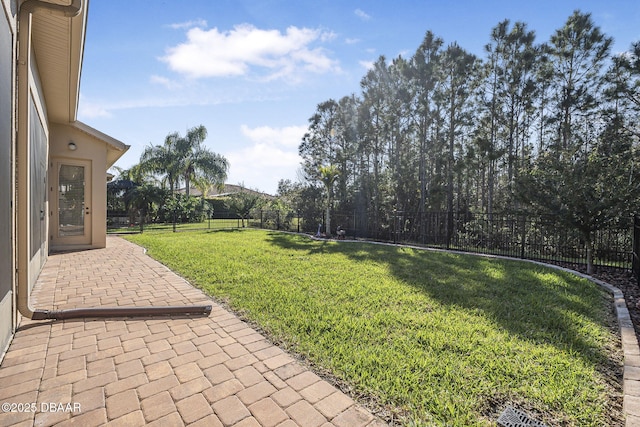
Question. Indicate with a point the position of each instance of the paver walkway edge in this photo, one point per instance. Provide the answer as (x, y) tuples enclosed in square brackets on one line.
[(209, 371)]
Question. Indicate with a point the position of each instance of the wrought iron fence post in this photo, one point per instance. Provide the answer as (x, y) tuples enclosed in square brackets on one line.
[(355, 228), (174, 219), (392, 226), (520, 235), (636, 248), (523, 225), (449, 228)]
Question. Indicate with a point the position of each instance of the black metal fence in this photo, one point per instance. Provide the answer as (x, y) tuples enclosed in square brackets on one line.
[(122, 222), (636, 247), (514, 235)]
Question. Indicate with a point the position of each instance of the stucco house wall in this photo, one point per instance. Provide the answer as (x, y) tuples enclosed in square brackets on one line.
[(41, 49), (96, 148)]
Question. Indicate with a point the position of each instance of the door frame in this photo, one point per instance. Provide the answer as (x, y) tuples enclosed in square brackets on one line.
[(70, 242)]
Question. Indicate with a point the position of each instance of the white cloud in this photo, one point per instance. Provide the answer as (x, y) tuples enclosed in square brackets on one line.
[(189, 24), (327, 36), (352, 41), (246, 49), (272, 156), (168, 83), (362, 14), (112, 107), (367, 65), (289, 136), (88, 109)]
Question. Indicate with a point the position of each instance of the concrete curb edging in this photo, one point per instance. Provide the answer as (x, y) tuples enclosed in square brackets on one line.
[(630, 347)]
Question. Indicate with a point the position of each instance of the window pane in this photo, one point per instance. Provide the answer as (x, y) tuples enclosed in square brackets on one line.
[(71, 200)]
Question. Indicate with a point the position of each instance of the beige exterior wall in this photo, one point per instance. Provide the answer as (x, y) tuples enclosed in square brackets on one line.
[(39, 103), (94, 151)]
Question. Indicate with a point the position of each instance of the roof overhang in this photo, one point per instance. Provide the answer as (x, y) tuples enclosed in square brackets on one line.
[(115, 148), (58, 43)]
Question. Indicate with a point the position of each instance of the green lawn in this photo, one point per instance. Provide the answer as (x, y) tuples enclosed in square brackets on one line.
[(438, 338)]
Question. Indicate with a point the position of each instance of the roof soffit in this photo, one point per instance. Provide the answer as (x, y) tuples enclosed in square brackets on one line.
[(58, 43)]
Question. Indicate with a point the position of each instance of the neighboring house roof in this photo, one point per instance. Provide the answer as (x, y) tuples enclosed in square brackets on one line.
[(227, 190), (58, 43)]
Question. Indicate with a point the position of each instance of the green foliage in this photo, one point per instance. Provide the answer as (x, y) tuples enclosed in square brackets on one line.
[(436, 338), (244, 203), (162, 160), (217, 204), (305, 200), (443, 130), (328, 175), (179, 159), (196, 162), (587, 190), (181, 208), (185, 159), (278, 215), (143, 201)]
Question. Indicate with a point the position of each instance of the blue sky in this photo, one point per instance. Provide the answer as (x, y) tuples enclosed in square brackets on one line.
[(253, 71)]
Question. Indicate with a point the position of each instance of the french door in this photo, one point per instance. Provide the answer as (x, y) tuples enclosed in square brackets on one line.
[(72, 213)]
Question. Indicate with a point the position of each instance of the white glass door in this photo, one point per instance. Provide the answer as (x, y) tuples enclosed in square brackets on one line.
[(73, 225)]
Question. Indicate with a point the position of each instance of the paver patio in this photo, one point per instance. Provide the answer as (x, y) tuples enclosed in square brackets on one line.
[(200, 371)]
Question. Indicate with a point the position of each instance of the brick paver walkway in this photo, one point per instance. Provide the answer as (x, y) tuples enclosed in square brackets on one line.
[(207, 371)]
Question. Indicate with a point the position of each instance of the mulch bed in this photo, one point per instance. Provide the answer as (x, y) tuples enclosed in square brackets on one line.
[(623, 280)]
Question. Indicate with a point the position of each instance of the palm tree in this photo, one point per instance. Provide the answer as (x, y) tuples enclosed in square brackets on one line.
[(328, 175), (119, 190), (204, 185), (142, 198), (163, 160), (185, 158), (135, 174), (196, 162)]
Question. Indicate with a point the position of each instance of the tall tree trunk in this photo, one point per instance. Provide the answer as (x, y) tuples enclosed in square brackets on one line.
[(589, 244), (450, 163), (328, 225), (422, 179)]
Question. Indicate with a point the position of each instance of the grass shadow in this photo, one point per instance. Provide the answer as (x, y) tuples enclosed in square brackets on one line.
[(444, 337), (222, 230), (532, 302)]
